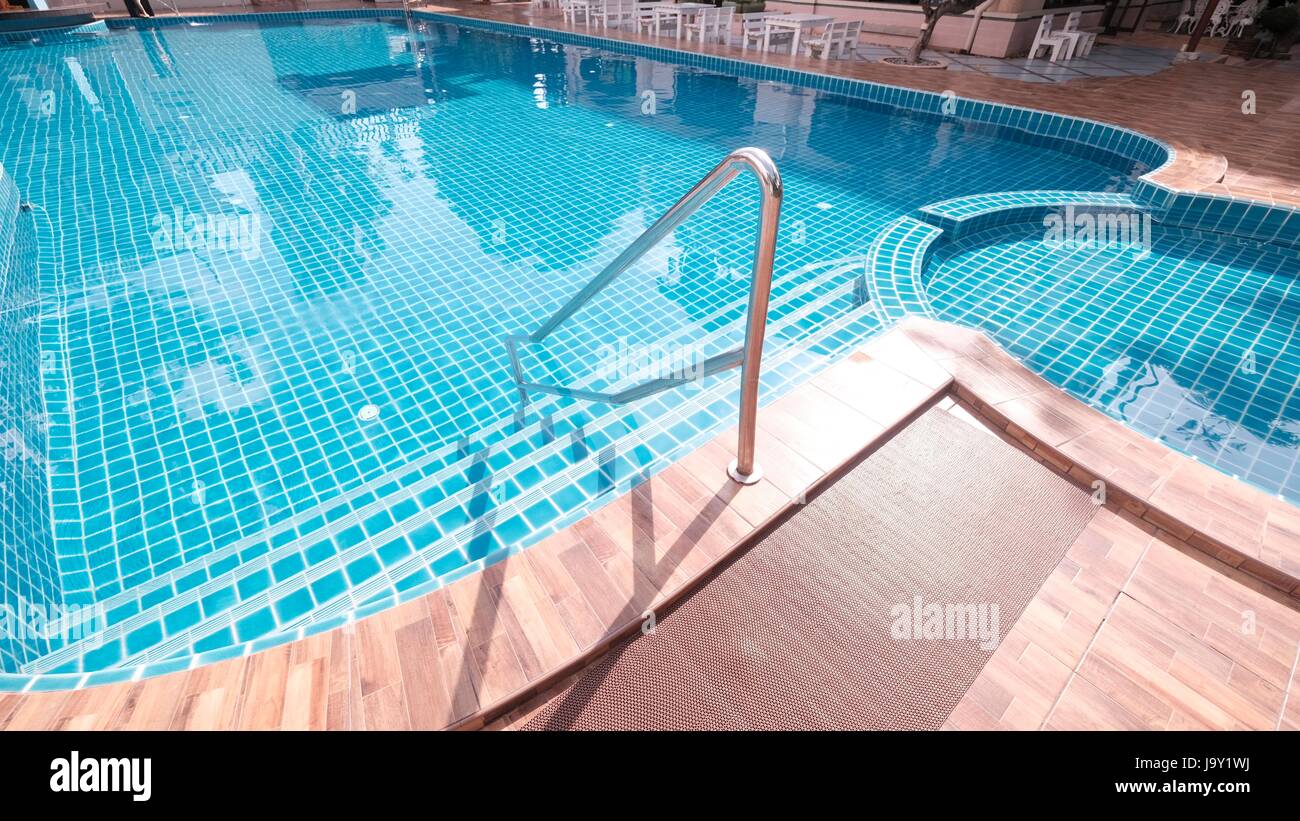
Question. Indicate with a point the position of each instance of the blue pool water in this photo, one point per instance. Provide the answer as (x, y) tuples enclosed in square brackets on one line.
[(1194, 341), (277, 262)]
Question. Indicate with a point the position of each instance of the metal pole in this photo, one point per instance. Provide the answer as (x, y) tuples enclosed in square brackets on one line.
[(743, 469), (703, 191), (1201, 25)]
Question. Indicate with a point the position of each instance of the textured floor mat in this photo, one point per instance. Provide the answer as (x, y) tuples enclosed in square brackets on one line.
[(874, 607)]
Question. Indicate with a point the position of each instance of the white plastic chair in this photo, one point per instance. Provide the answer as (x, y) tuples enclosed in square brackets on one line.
[(1217, 20), (725, 20), (710, 24), (751, 28), (1243, 16), (572, 11), (645, 17), (835, 39), (1046, 38), (1081, 41), (1189, 15)]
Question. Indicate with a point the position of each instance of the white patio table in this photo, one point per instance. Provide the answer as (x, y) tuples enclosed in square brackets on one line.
[(683, 13), (795, 23)]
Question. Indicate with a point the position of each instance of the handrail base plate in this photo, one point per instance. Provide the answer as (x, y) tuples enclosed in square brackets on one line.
[(751, 478)]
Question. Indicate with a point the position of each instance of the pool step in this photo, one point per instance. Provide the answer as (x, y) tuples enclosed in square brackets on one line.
[(842, 318), (618, 467), (455, 519), (220, 595), (508, 438)]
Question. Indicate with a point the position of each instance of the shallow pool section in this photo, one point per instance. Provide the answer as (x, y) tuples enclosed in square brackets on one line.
[(1192, 338), (279, 256)]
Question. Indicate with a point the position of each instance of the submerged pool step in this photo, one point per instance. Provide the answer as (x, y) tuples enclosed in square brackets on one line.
[(509, 438), (855, 323), (298, 586), (489, 506), (631, 455), (487, 535)]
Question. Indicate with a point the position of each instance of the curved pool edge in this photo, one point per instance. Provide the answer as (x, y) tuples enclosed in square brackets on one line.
[(1110, 139), (724, 519), (1182, 206), (1105, 139), (903, 252), (952, 360)]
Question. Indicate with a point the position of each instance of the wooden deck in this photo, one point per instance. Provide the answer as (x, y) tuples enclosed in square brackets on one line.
[(1137, 614), (1131, 631), (1134, 632)]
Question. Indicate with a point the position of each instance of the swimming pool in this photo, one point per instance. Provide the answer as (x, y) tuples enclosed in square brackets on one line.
[(272, 262), (1192, 340)]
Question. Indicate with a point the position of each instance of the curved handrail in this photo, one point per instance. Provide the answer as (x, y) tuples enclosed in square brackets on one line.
[(748, 357)]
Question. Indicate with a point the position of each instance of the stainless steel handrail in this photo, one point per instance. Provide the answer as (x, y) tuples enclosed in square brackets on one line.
[(748, 357)]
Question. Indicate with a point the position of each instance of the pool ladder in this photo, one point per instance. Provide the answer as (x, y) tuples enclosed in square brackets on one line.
[(748, 357)]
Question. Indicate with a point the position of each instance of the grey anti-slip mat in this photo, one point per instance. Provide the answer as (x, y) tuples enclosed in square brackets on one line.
[(874, 607)]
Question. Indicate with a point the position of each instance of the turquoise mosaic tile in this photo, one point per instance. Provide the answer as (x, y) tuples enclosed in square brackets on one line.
[(895, 265), (1266, 222), (213, 483), (1189, 337), (978, 212), (31, 590)]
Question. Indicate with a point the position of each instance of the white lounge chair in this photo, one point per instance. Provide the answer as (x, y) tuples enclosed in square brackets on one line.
[(834, 40), (710, 25), (1045, 38), (1081, 41)]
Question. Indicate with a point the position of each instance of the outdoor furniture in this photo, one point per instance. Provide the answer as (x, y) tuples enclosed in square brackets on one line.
[(1242, 16), (1189, 15), (615, 13), (1081, 42), (645, 15), (792, 24), (679, 13), (1217, 20), (835, 39), (1045, 38), (751, 28), (711, 24), (573, 9)]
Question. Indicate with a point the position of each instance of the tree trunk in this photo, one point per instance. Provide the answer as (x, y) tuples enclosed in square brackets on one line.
[(934, 10), (927, 31)]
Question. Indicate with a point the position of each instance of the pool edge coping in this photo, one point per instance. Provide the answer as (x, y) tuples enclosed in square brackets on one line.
[(979, 394), (967, 365), (1179, 201), (190, 662)]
